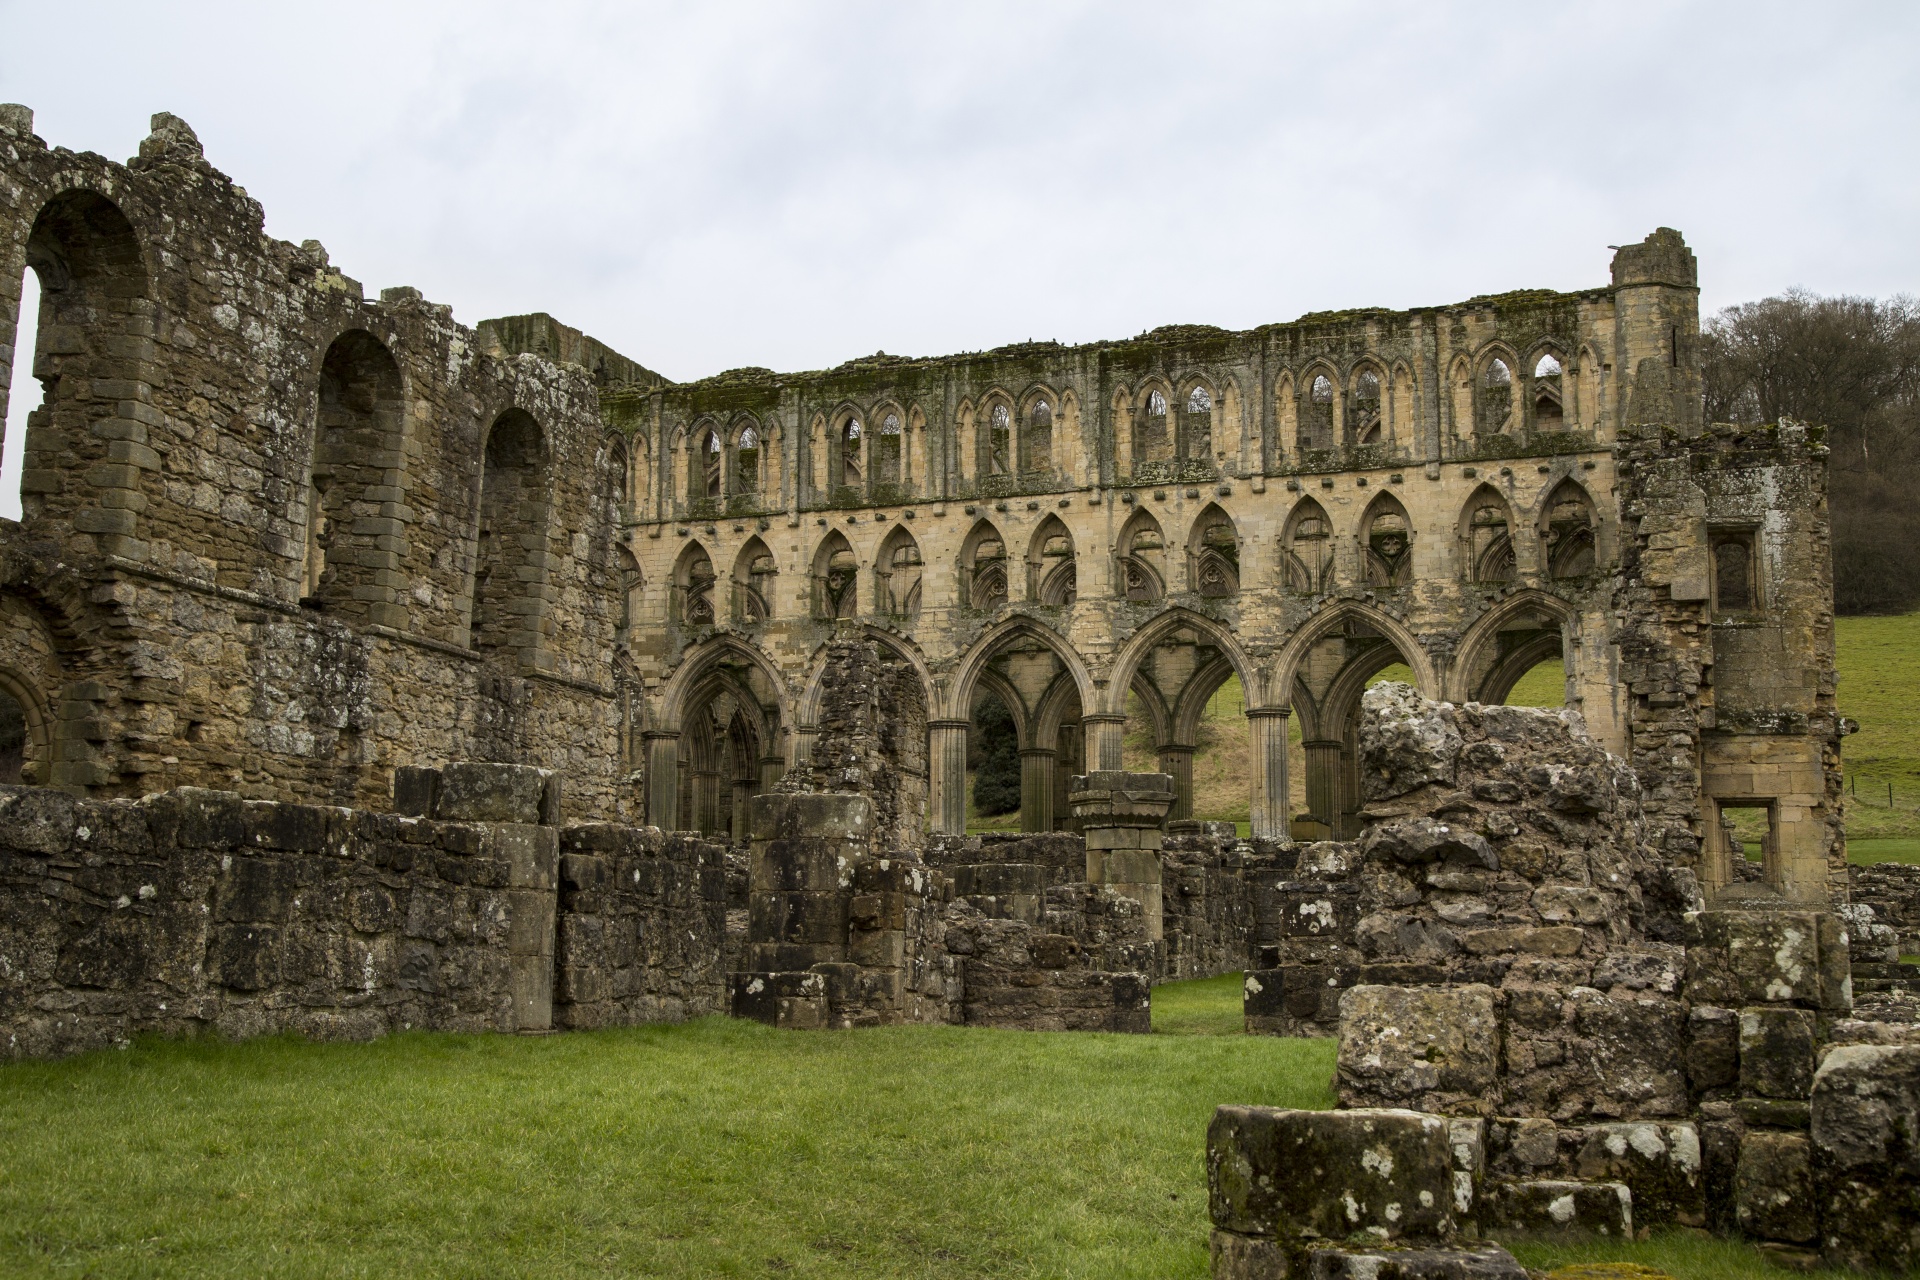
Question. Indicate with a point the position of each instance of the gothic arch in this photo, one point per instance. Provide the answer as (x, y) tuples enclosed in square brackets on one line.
[(901, 647), (1213, 554), (1497, 384), (1569, 530), (898, 574), (1197, 402), (1140, 559), (1052, 575), (1142, 642), (358, 458), (754, 571), (1485, 669), (1039, 427), (835, 578), (694, 578), (1486, 530), (996, 637), (1306, 549), (983, 568), (1337, 614), (702, 660), (1386, 543), (1319, 407), (510, 573), (1153, 430), (1366, 399)]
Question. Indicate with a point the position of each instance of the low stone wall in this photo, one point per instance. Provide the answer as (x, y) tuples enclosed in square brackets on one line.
[(1082, 966), (1892, 889), (642, 925)]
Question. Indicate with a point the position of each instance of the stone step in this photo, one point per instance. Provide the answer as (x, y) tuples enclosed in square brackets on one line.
[(1873, 969)]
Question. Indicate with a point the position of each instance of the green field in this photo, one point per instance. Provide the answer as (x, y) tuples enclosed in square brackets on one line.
[(716, 1148)]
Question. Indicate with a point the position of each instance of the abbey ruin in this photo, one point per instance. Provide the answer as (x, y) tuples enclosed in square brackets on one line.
[(371, 671)]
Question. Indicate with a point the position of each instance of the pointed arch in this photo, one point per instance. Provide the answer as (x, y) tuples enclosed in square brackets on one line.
[(1319, 407), (1153, 432), (1486, 537), (706, 464), (897, 574), (748, 447), (998, 636), (999, 445), (1508, 640), (1140, 559), (1123, 434), (966, 461), (1402, 395), (1496, 387), (1386, 543), (1213, 554), (1039, 423), (835, 578), (1306, 549), (1052, 575), (1367, 405), (629, 586), (1569, 531), (819, 471), (1195, 442), (1126, 663), (1585, 393), (1070, 445), (901, 647), (1286, 417), (1337, 617), (847, 452), (983, 568), (693, 579), (754, 574), (1460, 385), (731, 661), (918, 479), (887, 451), (616, 484), (1546, 405)]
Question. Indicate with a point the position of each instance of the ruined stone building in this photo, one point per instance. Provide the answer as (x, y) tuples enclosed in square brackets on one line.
[(279, 538)]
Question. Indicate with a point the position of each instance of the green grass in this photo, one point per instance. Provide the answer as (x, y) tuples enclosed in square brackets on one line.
[(1867, 852), (1200, 1007), (718, 1148), (1879, 664)]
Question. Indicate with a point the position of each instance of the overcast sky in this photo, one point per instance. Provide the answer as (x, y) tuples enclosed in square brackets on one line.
[(714, 185)]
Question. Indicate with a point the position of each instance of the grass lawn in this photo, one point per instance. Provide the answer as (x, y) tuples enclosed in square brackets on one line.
[(717, 1148)]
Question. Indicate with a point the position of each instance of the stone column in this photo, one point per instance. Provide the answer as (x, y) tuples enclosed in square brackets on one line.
[(706, 801), (1272, 796), (743, 792), (663, 778), (947, 775), (1123, 817), (1036, 789), (803, 736), (1176, 761), (1104, 731), (1323, 779), (798, 904), (772, 769)]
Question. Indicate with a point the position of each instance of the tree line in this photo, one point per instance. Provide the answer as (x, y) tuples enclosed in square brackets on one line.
[(1852, 365)]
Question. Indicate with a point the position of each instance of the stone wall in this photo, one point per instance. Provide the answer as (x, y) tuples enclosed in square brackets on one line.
[(1892, 889), (196, 911)]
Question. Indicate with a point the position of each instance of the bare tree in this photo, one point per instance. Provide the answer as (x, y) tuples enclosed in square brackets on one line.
[(1851, 365)]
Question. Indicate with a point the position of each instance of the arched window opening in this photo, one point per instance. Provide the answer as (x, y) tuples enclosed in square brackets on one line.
[(1317, 431), (986, 570), (1489, 539), (1496, 397), (849, 455), (16, 768), (836, 579), (627, 606), (1142, 577), (1154, 444), (1389, 546), (24, 395), (1216, 556), (1196, 427), (886, 451), (1039, 436), (999, 441), (899, 571), (753, 574), (711, 465), (357, 455), (693, 587), (1368, 423), (510, 557), (1051, 577), (1308, 545), (1569, 532), (746, 461), (1548, 395), (1733, 578)]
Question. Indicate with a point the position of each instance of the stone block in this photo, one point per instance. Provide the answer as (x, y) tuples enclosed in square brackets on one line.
[(779, 999), (1233, 1256), (475, 791), (1740, 958), (1554, 1206), (1659, 1162), (1713, 1047), (1418, 841), (797, 864), (811, 815), (1329, 1175), (1416, 1262), (531, 853), (1551, 941), (1124, 866), (996, 878), (1402, 1045), (1777, 1052), (813, 918), (1773, 1195), (1865, 1142)]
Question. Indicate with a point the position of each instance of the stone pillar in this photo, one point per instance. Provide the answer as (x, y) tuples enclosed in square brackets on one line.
[(1176, 761), (803, 736), (663, 778), (743, 792), (1323, 779), (772, 769), (706, 800), (947, 774), (1104, 731), (1036, 789), (1123, 817), (1272, 798), (798, 904)]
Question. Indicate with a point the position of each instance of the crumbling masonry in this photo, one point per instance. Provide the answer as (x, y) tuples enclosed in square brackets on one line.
[(362, 671)]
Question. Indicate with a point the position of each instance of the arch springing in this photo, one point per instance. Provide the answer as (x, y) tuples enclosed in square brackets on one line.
[(1549, 411)]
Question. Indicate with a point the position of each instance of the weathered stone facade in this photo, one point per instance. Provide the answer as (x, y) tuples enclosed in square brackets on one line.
[(281, 539)]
